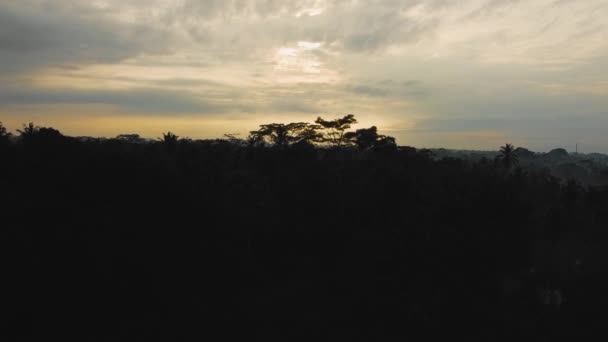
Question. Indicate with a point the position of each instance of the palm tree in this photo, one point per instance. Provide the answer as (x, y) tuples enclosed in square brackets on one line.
[(508, 157), (32, 134), (28, 130), (169, 140), (4, 134)]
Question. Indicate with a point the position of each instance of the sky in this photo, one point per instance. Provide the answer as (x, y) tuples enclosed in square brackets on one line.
[(467, 74)]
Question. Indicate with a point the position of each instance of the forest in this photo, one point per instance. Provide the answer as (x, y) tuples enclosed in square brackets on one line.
[(299, 231)]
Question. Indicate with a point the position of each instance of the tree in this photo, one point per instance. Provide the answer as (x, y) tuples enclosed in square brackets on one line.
[(282, 135), (308, 134), (508, 157), (36, 134), (130, 138), (28, 130), (368, 138), (4, 134), (234, 139), (169, 141), (169, 138), (385, 142), (335, 130), (524, 153), (254, 139)]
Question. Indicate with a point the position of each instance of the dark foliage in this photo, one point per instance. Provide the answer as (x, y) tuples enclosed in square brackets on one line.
[(368, 138), (335, 130), (4, 135), (177, 239), (283, 135)]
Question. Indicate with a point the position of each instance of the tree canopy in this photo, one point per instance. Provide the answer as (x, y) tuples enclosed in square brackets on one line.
[(333, 133), (368, 138), (334, 130), (282, 135)]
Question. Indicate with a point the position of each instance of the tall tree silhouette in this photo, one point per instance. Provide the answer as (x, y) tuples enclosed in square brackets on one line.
[(28, 130), (4, 134), (335, 130), (508, 157), (169, 141), (169, 138), (308, 134)]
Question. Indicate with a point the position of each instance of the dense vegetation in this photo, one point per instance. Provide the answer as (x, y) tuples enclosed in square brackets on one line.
[(298, 231)]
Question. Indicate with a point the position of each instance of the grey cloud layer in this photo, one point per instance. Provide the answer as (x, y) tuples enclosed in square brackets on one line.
[(146, 100), (38, 34), (213, 99), (350, 25)]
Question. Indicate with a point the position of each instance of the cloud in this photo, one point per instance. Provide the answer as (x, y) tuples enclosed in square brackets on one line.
[(368, 90), (355, 26), (38, 34), (144, 100), (408, 89), (294, 106)]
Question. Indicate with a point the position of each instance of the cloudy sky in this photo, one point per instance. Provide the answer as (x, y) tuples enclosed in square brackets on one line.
[(432, 73)]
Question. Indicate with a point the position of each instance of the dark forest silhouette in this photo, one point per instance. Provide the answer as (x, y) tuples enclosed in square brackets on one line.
[(298, 231)]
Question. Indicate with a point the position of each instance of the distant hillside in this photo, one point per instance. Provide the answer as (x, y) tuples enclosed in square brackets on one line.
[(589, 169)]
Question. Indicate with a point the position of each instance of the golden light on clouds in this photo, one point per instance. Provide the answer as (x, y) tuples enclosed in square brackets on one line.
[(301, 64)]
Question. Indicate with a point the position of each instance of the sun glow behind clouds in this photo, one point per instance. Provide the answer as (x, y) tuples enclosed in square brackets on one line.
[(311, 12), (301, 64)]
